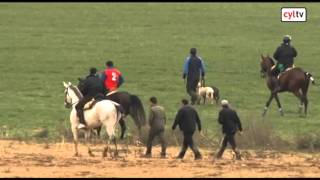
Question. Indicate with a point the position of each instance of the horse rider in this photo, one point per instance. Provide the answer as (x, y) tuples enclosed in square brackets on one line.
[(112, 77), (193, 68), (91, 87), (284, 56), (157, 121), (230, 122), (187, 118)]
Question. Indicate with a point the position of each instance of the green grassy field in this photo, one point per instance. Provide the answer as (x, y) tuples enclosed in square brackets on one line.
[(43, 44)]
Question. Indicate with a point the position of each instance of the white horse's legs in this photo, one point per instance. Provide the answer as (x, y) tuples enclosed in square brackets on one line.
[(87, 142), (75, 133), (111, 133)]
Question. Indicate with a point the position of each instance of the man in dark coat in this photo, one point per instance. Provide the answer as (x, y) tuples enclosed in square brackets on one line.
[(187, 118), (157, 121), (230, 122), (193, 69), (284, 55), (91, 87)]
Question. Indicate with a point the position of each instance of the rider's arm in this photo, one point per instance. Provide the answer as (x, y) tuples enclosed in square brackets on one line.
[(185, 67), (295, 53), (121, 80), (102, 76), (203, 70), (276, 54)]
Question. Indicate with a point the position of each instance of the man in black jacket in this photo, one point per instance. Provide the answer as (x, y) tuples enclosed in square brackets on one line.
[(187, 118), (193, 68), (230, 125), (284, 56), (90, 88)]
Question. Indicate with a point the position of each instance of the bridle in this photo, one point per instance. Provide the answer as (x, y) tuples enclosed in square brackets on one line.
[(265, 69), (66, 103)]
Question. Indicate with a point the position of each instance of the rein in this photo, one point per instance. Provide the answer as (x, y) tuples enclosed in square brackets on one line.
[(77, 94)]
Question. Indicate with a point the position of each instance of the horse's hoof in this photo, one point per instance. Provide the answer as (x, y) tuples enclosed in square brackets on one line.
[(91, 154), (105, 152), (116, 154), (104, 155)]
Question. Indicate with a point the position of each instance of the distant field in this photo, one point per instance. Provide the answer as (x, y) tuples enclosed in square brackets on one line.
[(43, 44)]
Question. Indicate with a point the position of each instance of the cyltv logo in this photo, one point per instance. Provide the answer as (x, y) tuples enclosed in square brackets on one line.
[(293, 14)]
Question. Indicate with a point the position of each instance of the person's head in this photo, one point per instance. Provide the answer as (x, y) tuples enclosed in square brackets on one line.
[(286, 39), (153, 100), (184, 102), (109, 64), (224, 103), (93, 71), (193, 51)]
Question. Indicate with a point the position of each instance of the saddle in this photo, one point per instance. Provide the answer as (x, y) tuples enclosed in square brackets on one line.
[(112, 92), (89, 105), (279, 75)]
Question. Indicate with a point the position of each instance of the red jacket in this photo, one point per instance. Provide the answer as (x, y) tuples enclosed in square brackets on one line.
[(112, 76)]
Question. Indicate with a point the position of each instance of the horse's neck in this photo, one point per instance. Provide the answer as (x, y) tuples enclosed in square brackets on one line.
[(269, 66), (74, 97)]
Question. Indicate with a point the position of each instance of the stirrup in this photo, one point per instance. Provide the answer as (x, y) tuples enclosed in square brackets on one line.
[(80, 126)]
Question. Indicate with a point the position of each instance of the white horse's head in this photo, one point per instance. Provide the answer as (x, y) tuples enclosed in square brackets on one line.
[(71, 95)]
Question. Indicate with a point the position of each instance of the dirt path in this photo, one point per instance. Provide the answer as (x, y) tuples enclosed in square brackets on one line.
[(20, 159)]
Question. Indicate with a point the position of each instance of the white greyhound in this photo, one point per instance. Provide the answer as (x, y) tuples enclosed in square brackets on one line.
[(207, 93), (104, 112)]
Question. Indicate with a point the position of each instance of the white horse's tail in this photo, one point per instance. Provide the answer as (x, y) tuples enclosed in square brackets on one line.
[(119, 110)]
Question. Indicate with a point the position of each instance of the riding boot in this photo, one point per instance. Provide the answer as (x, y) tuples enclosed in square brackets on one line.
[(81, 119)]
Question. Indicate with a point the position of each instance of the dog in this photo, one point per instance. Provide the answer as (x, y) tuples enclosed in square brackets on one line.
[(208, 93)]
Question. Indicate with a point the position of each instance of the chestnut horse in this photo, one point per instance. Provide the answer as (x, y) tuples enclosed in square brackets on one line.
[(294, 80)]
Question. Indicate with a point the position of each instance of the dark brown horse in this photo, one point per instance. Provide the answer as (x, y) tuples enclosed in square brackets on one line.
[(295, 80)]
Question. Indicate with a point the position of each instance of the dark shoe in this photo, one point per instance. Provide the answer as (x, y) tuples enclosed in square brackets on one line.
[(218, 156), (198, 157), (147, 156), (238, 157), (179, 157)]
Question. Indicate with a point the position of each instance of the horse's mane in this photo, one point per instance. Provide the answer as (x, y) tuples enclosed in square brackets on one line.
[(77, 91), (271, 60)]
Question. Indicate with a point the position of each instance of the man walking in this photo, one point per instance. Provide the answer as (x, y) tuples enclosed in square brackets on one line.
[(230, 125), (193, 68), (187, 118), (157, 121)]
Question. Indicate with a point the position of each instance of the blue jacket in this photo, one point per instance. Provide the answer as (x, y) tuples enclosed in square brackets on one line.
[(193, 67)]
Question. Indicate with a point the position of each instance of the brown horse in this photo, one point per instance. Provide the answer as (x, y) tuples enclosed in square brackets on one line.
[(294, 80)]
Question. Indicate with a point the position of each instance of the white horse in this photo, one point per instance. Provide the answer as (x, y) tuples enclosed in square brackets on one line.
[(104, 112)]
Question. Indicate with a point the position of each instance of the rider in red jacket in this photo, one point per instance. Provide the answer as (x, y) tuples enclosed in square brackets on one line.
[(112, 77)]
